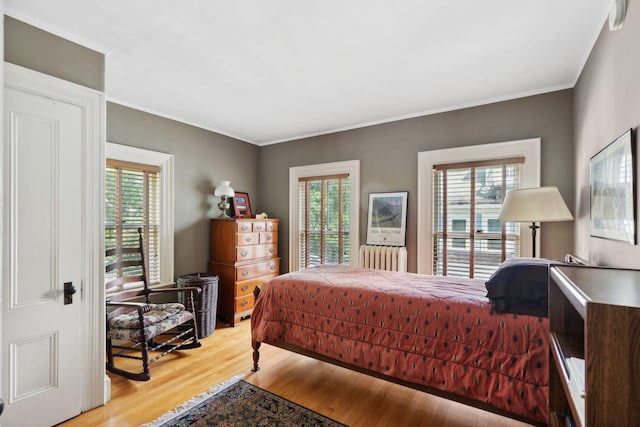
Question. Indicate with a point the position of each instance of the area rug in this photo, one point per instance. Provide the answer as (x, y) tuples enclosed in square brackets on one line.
[(239, 403)]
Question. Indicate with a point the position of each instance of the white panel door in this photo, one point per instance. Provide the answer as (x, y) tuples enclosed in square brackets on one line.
[(41, 340)]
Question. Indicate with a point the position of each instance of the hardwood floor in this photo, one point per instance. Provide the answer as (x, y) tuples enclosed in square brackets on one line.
[(349, 397)]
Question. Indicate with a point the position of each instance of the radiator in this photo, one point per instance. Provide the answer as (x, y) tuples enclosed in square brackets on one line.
[(389, 258)]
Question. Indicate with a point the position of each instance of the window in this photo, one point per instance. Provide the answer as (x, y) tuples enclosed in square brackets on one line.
[(139, 193), (472, 192), (324, 214), (488, 195), (324, 226), (132, 202)]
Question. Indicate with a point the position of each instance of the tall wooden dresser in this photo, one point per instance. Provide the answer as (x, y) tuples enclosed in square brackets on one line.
[(243, 254)]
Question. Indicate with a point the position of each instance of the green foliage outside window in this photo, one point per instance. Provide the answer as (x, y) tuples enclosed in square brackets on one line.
[(325, 221)]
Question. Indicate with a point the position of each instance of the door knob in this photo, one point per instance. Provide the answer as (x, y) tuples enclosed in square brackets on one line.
[(69, 290)]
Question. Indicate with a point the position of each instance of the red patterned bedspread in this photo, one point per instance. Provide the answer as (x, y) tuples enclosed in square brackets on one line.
[(436, 331)]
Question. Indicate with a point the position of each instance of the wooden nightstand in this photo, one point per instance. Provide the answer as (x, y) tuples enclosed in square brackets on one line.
[(243, 254)]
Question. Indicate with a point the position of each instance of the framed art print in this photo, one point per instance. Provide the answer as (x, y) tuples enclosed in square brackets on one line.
[(241, 206), (612, 187), (387, 218)]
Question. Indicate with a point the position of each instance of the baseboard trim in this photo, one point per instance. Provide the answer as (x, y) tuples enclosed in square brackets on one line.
[(107, 389)]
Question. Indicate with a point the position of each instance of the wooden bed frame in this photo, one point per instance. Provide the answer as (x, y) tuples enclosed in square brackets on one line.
[(420, 387)]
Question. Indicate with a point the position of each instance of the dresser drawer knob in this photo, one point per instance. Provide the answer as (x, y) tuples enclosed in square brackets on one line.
[(243, 253), (268, 237), (244, 288), (247, 239), (271, 249), (260, 227), (272, 267), (245, 273), (245, 302), (245, 227)]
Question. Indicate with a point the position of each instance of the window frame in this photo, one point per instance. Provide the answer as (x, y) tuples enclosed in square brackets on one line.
[(529, 175), (351, 167), (165, 161)]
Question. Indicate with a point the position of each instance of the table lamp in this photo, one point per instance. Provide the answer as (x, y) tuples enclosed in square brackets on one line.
[(541, 204), (224, 191)]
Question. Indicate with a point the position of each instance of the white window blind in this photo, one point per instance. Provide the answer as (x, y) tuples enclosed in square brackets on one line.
[(133, 200), (324, 212), (468, 240)]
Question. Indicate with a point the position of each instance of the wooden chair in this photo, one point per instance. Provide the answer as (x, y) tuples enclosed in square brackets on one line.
[(136, 326)]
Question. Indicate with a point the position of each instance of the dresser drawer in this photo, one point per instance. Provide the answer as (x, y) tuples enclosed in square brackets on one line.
[(272, 226), (256, 251), (259, 226), (250, 271), (245, 302), (243, 239), (268, 237), (246, 287), (244, 226)]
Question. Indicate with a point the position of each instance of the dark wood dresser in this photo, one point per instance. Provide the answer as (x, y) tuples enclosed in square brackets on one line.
[(594, 322), (243, 254)]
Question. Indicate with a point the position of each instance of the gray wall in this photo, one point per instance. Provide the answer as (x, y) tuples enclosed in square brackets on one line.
[(202, 159), (38, 50), (607, 102), (388, 158)]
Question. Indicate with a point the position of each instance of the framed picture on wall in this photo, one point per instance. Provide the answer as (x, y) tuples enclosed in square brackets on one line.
[(613, 190), (241, 206), (387, 218)]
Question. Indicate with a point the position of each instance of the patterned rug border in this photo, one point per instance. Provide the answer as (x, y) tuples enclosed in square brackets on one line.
[(191, 403)]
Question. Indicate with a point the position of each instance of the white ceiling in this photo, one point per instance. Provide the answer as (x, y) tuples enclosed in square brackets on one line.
[(271, 71)]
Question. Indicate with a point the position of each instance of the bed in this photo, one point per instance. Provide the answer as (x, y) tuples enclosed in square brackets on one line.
[(437, 334)]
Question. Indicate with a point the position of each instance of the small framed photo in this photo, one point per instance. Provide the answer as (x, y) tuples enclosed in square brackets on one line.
[(387, 219), (241, 207)]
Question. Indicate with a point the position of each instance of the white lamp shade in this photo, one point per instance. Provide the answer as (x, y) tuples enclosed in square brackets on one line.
[(542, 204), (224, 189)]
